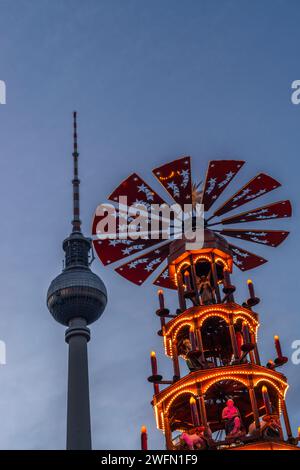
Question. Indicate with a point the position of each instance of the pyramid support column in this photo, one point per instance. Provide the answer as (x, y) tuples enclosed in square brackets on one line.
[(168, 432), (181, 299), (194, 281), (255, 351), (175, 359), (202, 408), (286, 419), (199, 340), (215, 279), (233, 341), (254, 405)]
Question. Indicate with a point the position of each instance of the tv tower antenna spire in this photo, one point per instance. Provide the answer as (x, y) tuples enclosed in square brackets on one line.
[(76, 222)]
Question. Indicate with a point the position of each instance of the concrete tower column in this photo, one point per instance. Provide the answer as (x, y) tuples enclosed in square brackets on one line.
[(78, 411)]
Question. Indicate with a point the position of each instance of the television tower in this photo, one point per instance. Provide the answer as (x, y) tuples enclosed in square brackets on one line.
[(76, 298)]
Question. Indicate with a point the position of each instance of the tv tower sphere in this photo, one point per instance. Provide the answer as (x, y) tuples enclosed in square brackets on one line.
[(77, 292)]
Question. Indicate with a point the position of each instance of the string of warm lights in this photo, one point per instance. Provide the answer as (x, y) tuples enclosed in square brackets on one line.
[(226, 377), (164, 178), (203, 257), (221, 374), (282, 391), (253, 328), (196, 312), (177, 272), (163, 421), (185, 392)]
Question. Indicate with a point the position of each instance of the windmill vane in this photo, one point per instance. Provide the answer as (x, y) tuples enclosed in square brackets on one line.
[(176, 180)]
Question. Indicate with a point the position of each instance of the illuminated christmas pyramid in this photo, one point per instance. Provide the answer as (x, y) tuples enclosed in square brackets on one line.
[(225, 399)]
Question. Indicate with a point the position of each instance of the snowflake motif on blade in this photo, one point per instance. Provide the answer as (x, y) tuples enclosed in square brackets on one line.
[(240, 253), (212, 183), (153, 263), (173, 186), (134, 264), (144, 189), (120, 242), (236, 261), (228, 178), (185, 178), (127, 251)]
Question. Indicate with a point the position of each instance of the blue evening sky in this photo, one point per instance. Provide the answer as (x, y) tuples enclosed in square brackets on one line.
[(151, 80)]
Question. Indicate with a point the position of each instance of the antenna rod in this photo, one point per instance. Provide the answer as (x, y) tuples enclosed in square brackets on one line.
[(76, 222)]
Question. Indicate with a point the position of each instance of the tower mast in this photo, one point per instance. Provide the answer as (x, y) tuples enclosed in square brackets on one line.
[(76, 222)]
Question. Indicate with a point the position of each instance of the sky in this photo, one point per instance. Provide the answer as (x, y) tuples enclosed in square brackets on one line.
[(151, 81)]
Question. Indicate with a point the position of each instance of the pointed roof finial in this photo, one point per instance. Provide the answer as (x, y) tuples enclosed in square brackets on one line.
[(76, 222)]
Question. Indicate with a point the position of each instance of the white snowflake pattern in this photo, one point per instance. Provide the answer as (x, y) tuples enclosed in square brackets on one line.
[(264, 217), (260, 240), (185, 174), (212, 183), (242, 195), (128, 250), (173, 186), (237, 261), (134, 264), (240, 253), (152, 263), (165, 274), (228, 178), (261, 211), (120, 242), (254, 195), (144, 189), (256, 234)]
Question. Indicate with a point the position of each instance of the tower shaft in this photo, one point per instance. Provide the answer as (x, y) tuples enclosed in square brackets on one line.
[(78, 414)]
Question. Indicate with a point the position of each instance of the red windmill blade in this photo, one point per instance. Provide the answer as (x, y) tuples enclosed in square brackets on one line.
[(256, 187), (111, 251), (264, 237), (244, 259), (137, 191), (176, 179), (139, 269), (219, 174), (277, 210), (164, 280)]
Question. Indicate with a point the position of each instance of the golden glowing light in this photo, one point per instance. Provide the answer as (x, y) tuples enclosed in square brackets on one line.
[(164, 178), (192, 401), (153, 354), (249, 281), (143, 430)]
